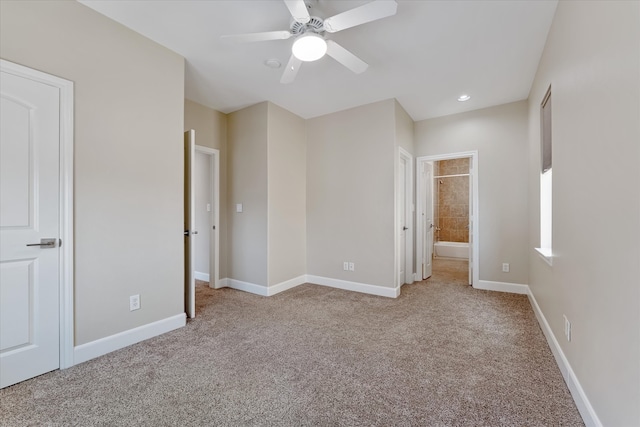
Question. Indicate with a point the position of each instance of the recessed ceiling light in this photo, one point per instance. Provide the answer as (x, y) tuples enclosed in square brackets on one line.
[(272, 63), (464, 97)]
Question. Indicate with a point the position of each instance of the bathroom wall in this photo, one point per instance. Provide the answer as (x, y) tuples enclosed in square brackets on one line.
[(452, 202)]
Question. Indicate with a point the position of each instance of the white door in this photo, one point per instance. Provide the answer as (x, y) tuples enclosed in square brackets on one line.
[(401, 206), (29, 213), (427, 220), (189, 223), (471, 215)]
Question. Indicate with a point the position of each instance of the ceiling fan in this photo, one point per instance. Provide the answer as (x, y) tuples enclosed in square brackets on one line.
[(309, 31)]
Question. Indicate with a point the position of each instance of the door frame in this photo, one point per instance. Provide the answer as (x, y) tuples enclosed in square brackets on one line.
[(214, 243), (409, 208), (65, 203), (476, 212)]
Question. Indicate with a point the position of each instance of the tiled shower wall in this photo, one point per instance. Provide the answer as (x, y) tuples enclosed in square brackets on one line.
[(452, 200)]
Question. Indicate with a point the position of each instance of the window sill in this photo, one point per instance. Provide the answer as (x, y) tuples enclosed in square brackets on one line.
[(546, 255)]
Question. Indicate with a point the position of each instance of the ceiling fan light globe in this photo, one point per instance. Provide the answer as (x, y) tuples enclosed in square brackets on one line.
[(309, 47)]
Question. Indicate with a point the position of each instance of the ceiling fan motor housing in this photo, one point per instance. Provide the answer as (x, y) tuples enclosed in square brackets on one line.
[(315, 25)]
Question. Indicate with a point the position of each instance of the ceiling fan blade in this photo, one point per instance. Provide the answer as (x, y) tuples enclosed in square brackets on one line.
[(361, 15), (346, 58), (291, 70), (258, 37), (298, 10)]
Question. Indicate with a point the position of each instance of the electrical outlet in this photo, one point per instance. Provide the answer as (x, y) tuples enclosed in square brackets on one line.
[(352, 266), (345, 266), (134, 302), (505, 267), (567, 328)]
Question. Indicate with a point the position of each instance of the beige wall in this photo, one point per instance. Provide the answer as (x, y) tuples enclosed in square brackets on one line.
[(247, 178), (287, 178), (592, 62), (350, 194), (211, 131), (404, 128), (203, 196), (499, 134), (128, 158), (404, 138)]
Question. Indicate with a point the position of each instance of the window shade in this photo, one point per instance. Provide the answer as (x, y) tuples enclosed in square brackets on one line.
[(546, 131)]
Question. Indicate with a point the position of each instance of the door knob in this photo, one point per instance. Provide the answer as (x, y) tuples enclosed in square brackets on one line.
[(405, 228)]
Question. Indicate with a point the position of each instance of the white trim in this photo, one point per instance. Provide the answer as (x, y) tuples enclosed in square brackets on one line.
[(287, 284), (245, 286), (201, 276), (513, 288), (476, 206), (66, 269), (546, 255), (364, 288), (105, 345), (263, 290), (215, 187), (587, 412)]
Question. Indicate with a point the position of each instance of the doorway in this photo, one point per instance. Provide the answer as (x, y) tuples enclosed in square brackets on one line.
[(447, 232), (201, 218), (36, 223), (207, 211), (404, 218)]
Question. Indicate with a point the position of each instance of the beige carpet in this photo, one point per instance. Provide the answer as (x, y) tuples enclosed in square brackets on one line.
[(442, 354)]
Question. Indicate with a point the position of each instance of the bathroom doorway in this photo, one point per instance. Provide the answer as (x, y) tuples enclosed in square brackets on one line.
[(447, 231), (207, 212)]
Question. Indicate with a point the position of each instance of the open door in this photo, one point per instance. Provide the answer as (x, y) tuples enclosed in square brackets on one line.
[(189, 223), (427, 219), (471, 216)]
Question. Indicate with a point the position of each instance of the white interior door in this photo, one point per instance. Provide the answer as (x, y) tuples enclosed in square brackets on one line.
[(427, 220), (402, 214), (471, 221), (29, 213), (189, 223)]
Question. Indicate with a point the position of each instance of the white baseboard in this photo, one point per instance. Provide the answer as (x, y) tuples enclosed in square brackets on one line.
[(244, 286), (262, 290), (316, 280), (201, 276), (105, 345), (587, 412), (513, 288), (287, 284), (354, 286)]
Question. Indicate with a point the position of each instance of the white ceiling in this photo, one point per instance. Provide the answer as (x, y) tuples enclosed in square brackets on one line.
[(425, 56)]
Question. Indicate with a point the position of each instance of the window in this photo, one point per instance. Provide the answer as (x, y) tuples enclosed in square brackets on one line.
[(545, 179)]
